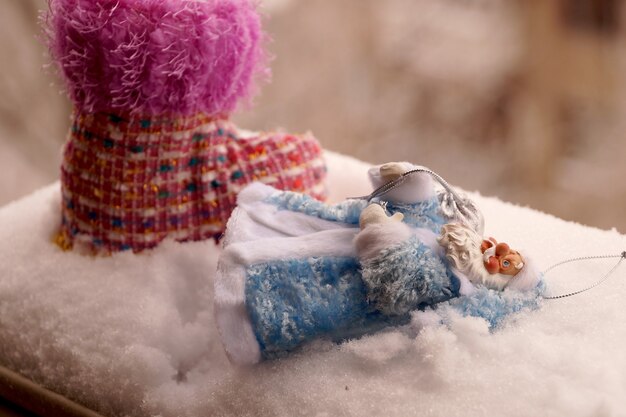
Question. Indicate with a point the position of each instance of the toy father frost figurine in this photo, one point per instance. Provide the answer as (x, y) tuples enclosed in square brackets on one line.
[(295, 269)]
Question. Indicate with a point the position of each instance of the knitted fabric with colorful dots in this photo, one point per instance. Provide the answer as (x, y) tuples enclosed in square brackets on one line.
[(130, 182)]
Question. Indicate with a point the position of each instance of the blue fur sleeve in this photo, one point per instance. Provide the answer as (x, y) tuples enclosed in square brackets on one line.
[(407, 277)]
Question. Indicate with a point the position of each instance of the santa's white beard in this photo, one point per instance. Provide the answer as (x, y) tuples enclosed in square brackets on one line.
[(462, 246), (477, 273)]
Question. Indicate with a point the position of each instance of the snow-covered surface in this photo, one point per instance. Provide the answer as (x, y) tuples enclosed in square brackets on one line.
[(134, 334)]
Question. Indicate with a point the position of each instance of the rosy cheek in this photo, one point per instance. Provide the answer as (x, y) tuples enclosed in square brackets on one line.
[(492, 266)]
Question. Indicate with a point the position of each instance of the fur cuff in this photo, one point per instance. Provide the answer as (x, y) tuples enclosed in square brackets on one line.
[(232, 317), (375, 238)]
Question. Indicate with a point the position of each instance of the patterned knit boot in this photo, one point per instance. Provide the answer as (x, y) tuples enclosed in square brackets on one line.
[(151, 153)]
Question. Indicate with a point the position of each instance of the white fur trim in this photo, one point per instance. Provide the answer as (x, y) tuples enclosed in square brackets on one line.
[(329, 242), (232, 318), (377, 237), (256, 191), (527, 278), (230, 312), (259, 220)]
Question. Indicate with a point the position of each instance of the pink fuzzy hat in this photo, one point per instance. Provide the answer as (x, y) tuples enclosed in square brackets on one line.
[(154, 57)]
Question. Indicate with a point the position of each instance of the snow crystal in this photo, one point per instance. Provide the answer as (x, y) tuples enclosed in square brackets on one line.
[(134, 334)]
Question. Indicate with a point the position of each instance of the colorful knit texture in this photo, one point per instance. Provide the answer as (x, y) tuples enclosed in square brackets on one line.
[(130, 182)]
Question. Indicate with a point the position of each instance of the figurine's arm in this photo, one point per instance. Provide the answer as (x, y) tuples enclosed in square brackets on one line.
[(400, 272)]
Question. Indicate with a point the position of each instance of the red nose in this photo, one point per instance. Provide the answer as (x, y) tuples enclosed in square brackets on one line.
[(502, 249)]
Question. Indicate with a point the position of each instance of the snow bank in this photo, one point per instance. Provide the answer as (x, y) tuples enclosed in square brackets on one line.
[(134, 334)]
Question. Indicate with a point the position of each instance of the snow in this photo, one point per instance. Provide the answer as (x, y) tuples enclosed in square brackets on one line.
[(134, 334)]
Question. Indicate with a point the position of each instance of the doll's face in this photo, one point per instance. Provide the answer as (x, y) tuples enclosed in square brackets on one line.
[(500, 258)]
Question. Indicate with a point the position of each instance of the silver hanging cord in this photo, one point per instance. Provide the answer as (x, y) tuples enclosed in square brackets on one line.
[(454, 206), (583, 258), (384, 189)]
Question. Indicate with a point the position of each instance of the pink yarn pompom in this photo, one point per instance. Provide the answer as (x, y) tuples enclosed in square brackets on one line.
[(153, 57)]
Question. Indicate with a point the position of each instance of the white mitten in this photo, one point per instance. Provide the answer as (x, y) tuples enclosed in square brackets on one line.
[(379, 231), (375, 214)]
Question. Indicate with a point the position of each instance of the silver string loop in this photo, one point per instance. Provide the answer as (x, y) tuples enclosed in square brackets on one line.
[(595, 284)]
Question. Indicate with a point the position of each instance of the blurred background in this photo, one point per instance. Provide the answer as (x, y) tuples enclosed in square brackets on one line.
[(521, 99)]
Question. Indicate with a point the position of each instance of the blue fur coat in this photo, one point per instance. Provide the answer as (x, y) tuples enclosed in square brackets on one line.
[(290, 274)]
